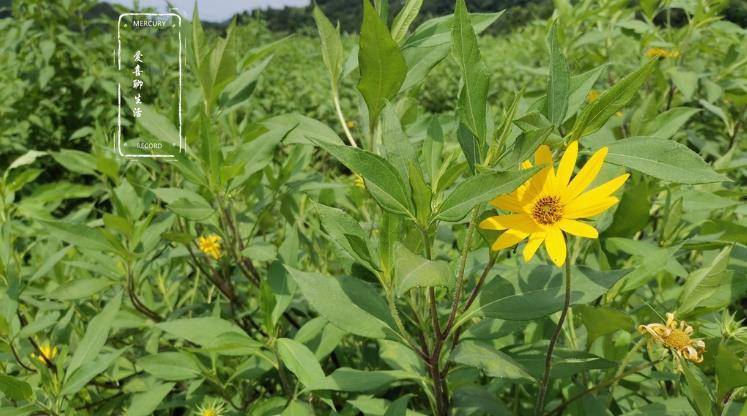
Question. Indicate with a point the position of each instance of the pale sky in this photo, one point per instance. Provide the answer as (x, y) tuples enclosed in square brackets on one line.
[(213, 10)]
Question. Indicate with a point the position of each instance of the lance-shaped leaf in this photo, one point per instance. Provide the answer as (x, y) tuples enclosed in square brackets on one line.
[(347, 234), (405, 18), (95, 337), (300, 361), (412, 271), (382, 179), (382, 67), (348, 303), (478, 189), (492, 362), (558, 85), (332, 52), (474, 93), (596, 114), (663, 159)]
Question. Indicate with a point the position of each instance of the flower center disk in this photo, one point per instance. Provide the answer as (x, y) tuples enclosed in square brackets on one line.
[(547, 210), (678, 339)]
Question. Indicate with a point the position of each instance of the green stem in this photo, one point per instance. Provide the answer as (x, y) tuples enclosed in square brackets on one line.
[(460, 275), (540, 405), (341, 117)]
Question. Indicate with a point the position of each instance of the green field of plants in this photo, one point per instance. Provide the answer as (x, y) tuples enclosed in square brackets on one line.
[(428, 216)]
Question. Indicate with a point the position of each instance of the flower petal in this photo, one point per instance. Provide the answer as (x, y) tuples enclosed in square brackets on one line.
[(507, 202), (555, 246), (587, 210), (604, 190), (587, 174), (521, 222), (508, 239), (535, 240), (566, 165), (578, 228)]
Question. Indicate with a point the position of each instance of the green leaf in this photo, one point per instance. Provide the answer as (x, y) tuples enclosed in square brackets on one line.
[(399, 356), (524, 147), (15, 389), (80, 288), (558, 84), (170, 366), (685, 81), (701, 285), (185, 203), (412, 271), (730, 372), (663, 159), (160, 127), (402, 23), (25, 159), (399, 151), (79, 378), (332, 52), (499, 299), (422, 195), (382, 67), (565, 363), (238, 91), (667, 123), (382, 180), (95, 337), (300, 361), (41, 322), (389, 233), (478, 189), (349, 379), (398, 407), (473, 150), (201, 331), (145, 403), (600, 321), (352, 305), (81, 236), (596, 114), (474, 91), (696, 390), (298, 408), (345, 232), (492, 362), (76, 161)]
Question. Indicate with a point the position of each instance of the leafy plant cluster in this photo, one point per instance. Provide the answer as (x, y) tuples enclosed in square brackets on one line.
[(337, 260)]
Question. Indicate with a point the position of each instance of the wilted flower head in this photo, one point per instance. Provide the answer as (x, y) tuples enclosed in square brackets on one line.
[(550, 203), (210, 245), (211, 408), (676, 337), (661, 53)]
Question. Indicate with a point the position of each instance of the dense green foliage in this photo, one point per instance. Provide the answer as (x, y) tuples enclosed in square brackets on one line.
[(322, 248)]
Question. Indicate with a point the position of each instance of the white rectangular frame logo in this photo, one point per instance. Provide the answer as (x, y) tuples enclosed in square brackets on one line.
[(118, 144)]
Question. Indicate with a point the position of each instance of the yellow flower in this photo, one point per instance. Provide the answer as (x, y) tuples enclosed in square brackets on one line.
[(592, 96), (210, 245), (358, 182), (550, 203), (661, 53), (211, 409), (676, 336), (47, 351)]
